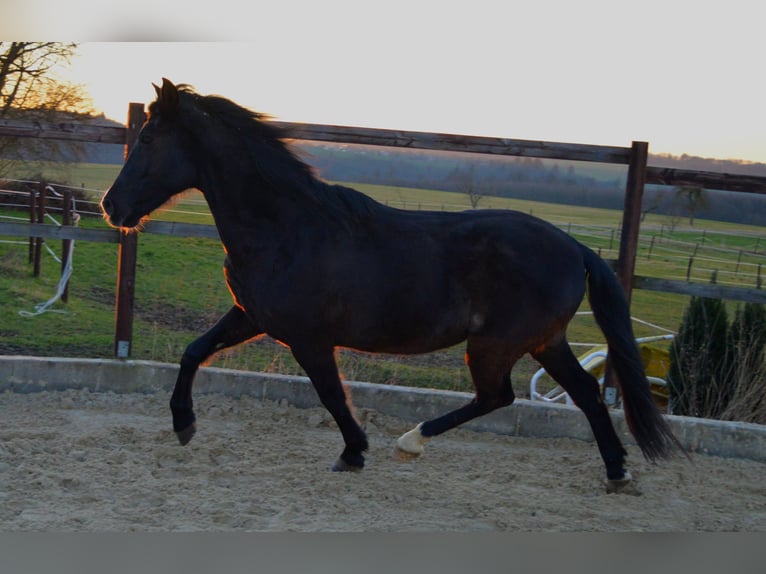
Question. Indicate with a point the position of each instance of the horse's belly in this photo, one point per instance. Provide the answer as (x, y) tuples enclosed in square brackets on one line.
[(406, 330), (404, 345)]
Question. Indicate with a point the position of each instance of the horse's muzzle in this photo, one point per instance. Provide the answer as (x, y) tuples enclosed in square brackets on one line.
[(107, 206), (109, 211), (115, 216)]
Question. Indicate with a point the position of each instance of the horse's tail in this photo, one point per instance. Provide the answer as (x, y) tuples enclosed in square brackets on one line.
[(612, 313)]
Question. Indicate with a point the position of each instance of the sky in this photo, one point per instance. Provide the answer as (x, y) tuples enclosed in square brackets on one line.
[(686, 76)]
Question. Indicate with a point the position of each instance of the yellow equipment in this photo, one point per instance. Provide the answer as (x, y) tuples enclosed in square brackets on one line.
[(656, 361)]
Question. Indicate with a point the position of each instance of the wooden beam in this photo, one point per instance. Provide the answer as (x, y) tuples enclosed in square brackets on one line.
[(631, 215), (706, 180), (626, 260), (127, 256), (455, 142), (72, 131), (178, 229), (66, 244), (51, 231), (82, 131), (347, 134), (712, 290), (125, 297), (39, 218)]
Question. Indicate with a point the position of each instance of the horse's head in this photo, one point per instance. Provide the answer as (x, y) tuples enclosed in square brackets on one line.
[(159, 166)]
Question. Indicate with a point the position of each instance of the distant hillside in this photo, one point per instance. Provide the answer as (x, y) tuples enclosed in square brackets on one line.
[(105, 153), (708, 164), (568, 182)]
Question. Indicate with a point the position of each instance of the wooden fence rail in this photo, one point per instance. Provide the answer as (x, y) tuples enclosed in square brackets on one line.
[(69, 131), (52, 231), (424, 140), (456, 143), (176, 229), (705, 179), (635, 157)]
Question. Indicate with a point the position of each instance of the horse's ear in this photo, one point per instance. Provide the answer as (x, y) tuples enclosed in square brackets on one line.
[(167, 97)]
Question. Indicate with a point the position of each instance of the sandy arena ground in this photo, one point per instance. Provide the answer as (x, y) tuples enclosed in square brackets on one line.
[(82, 461)]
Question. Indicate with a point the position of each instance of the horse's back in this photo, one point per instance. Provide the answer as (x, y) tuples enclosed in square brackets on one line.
[(439, 277), (516, 265)]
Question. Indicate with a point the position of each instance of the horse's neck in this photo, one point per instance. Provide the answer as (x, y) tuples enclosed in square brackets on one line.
[(257, 184), (251, 216)]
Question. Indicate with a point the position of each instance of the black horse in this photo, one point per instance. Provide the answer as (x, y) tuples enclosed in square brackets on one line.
[(319, 266)]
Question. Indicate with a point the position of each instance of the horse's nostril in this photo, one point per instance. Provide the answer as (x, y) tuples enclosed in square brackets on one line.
[(107, 206)]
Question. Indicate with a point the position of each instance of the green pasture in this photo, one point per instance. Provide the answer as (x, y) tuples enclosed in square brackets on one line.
[(93, 176), (180, 290)]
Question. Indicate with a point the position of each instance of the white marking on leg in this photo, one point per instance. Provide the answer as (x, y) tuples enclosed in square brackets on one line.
[(618, 484), (412, 441)]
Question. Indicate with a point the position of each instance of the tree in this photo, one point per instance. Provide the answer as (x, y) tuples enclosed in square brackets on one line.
[(27, 80), (692, 200), (466, 184), (29, 89)]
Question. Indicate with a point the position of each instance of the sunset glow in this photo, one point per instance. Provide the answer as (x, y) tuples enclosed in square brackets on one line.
[(681, 75)]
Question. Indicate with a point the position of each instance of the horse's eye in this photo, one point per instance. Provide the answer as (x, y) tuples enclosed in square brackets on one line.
[(145, 138)]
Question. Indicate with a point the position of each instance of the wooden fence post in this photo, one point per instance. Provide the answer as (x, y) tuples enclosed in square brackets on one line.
[(127, 256), (39, 218), (631, 223), (631, 215), (126, 287), (66, 219), (32, 219)]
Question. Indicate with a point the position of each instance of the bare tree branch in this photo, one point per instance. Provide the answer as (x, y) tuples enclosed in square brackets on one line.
[(30, 90), (23, 66)]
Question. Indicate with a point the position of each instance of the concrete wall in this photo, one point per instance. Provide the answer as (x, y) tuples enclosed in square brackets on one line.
[(23, 374)]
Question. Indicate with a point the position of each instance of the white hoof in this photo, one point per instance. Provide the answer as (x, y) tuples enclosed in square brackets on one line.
[(412, 442), (618, 484)]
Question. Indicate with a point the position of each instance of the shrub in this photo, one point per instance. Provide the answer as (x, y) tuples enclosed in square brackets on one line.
[(746, 365), (698, 360), (716, 370)]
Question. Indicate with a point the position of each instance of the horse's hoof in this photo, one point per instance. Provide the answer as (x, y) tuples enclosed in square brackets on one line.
[(412, 443), (186, 435), (404, 455), (342, 466), (618, 484)]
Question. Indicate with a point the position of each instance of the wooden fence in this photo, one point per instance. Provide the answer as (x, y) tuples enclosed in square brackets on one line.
[(635, 157)]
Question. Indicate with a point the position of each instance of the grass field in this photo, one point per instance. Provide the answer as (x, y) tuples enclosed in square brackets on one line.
[(180, 290)]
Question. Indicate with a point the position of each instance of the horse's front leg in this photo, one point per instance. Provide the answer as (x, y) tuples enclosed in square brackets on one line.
[(233, 328), (321, 368)]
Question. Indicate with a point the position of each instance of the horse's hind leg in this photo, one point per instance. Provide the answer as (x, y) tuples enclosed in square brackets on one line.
[(490, 363), (233, 328), (321, 368), (561, 364)]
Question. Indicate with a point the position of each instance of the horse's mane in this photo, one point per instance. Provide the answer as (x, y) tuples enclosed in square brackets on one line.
[(266, 148)]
